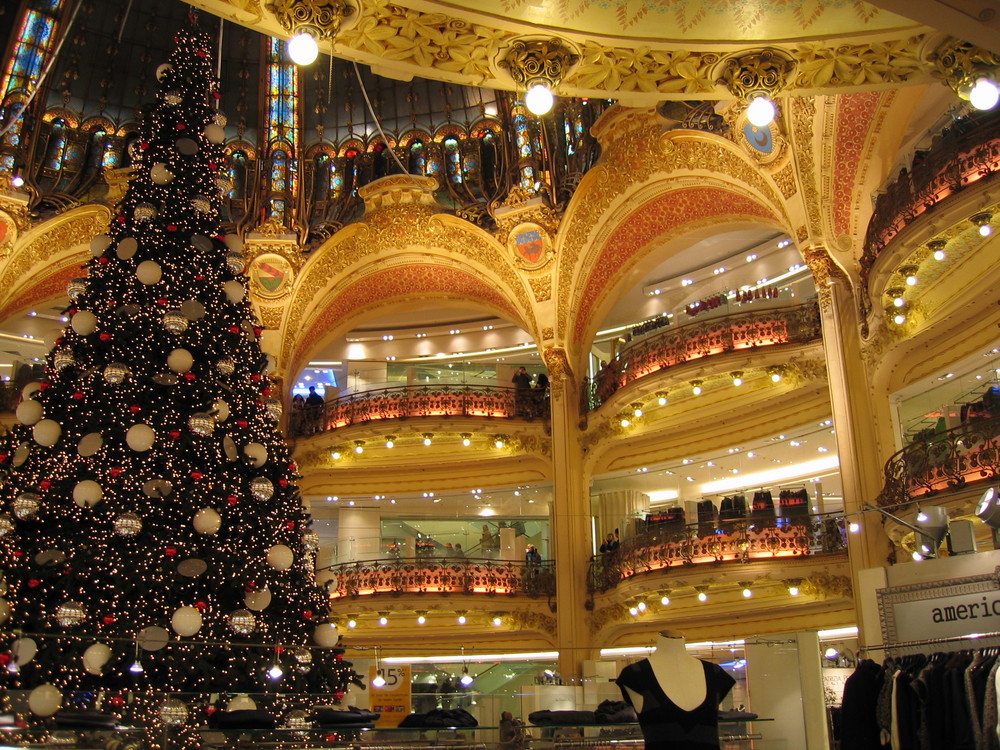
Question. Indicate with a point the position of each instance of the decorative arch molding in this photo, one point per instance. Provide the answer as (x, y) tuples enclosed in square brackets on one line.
[(396, 284), (45, 258), (412, 234), (653, 223)]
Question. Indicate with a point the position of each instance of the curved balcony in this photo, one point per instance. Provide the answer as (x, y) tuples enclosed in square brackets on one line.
[(455, 576), (680, 344), (945, 461), (735, 542), (417, 401), (966, 153)]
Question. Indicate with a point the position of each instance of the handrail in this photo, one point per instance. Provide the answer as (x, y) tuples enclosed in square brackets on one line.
[(400, 402), (966, 153), (676, 345), (739, 541), (948, 460), (417, 575)]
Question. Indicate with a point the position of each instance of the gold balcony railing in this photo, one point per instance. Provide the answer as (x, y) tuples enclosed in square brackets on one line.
[(677, 345), (948, 460), (737, 542), (966, 153), (417, 401), (446, 576)]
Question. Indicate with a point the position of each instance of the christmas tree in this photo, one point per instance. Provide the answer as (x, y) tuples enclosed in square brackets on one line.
[(153, 540)]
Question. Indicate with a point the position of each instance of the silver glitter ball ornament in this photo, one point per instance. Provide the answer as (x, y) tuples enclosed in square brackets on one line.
[(201, 204), (303, 659), (6, 524), (235, 262), (261, 488), (75, 288), (201, 423), (144, 212), (219, 119), (116, 372), (310, 540), (297, 720), (224, 184), (26, 505), (69, 614), (243, 621), (175, 322), (128, 524), (226, 366), (273, 407), (173, 712), (62, 359), (173, 98)]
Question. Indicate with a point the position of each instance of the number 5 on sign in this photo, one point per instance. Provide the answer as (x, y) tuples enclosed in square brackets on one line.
[(392, 700)]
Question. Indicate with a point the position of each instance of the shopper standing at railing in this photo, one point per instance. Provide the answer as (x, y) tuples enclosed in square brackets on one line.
[(522, 392)]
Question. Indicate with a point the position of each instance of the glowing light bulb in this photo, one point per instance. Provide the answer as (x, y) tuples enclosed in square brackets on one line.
[(641, 606), (539, 99), (498, 621), (17, 181), (922, 517), (793, 590), (634, 611), (359, 449), (702, 596), (461, 620), (984, 94), (985, 230), (389, 443), (466, 442), (939, 255), (421, 620), (352, 623), (136, 667), (899, 318), (696, 390), (335, 455), (854, 527), (775, 377), (466, 679), (379, 681), (275, 672), (637, 412), (662, 400), (737, 381), (761, 112), (303, 48), (626, 422), (427, 441), (747, 593), (383, 620), (664, 600), (911, 280), (899, 302), (917, 556)]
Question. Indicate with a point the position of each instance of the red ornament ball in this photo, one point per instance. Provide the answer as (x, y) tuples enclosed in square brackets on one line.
[(170, 552), (174, 434), (189, 376), (242, 423), (290, 525), (117, 471), (103, 261), (232, 499), (33, 583), (339, 657), (144, 145), (283, 482), (234, 329), (181, 126), (4, 457), (45, 484), (117, 701), (4, 659), (162, 302), (135, 408), (45, 386), (108, 619), (200, 606), (18, 553), (78, 395), (171, 227), (196, 476), (105, 336), (307, 615)]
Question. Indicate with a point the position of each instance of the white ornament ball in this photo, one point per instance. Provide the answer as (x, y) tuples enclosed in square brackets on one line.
[(241, 703), (84, 322), (161, 174), (30, 389), (234, 291), (215, 133), (100, 243), (256, 454), (161, 71), (149, 272), (280, 557), (140, 437), (221, 410), (270, 364), (47, 432), (44, 700), (326, 635), (127, 248), (207, 521), (4, 611), (186, 621), (258, 600), (233, 242), (180, 360), (23, 650), (29, 412), (87, 493), (95, 657)]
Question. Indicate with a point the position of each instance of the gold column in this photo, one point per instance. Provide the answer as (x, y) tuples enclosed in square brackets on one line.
[(570, 519), (860, 418)]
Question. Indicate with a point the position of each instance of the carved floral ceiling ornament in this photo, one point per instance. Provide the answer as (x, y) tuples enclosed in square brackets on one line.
[(467, 44)]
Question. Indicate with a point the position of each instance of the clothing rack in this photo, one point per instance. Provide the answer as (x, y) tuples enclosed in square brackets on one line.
[(971, 637)]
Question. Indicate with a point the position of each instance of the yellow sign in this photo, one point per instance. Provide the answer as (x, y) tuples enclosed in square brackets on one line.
[(392, 700)]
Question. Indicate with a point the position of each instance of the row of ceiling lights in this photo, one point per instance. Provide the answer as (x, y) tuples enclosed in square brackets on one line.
[(908, 273), (638, 606), (427, 438)]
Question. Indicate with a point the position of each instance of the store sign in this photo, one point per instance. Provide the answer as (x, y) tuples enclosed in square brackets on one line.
[(392, 700), (950, 609)]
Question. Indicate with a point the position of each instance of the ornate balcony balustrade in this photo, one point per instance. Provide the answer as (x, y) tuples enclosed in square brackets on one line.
[(676, 345), (446, 576), (966, 153), (417, 401), (948, 460), (742, 541)]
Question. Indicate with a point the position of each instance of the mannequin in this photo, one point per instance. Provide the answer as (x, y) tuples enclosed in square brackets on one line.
[(676, 696)]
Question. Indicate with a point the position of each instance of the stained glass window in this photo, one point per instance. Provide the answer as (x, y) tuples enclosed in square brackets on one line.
[(418, 162), (453, 159), (34, 43), (282, 115), (526, 145), (57, 145)]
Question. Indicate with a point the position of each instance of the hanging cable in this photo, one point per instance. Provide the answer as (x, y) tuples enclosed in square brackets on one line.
[(378, 125), (121, 28), (41, 78)]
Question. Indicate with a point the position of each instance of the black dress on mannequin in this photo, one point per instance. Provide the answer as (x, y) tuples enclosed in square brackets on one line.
[(664, 725)]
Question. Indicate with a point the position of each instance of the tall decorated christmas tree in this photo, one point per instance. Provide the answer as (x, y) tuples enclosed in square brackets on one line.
[(152, 537)]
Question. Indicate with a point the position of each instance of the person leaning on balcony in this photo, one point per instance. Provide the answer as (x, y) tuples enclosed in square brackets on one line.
[(532, 556), (313, 399), (611, 543), (522, 392)]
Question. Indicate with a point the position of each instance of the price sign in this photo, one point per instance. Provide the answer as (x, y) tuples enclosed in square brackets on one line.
[(392, 700)]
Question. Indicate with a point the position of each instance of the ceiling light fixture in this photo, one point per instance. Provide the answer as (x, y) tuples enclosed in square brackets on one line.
[(359, 446), (737, 378), (309, 23), (982, 220), (755, 78), (937, 249), (696, 387), (538, 66)]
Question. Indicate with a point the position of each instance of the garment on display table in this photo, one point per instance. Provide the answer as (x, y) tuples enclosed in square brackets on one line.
[(664, 725)]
